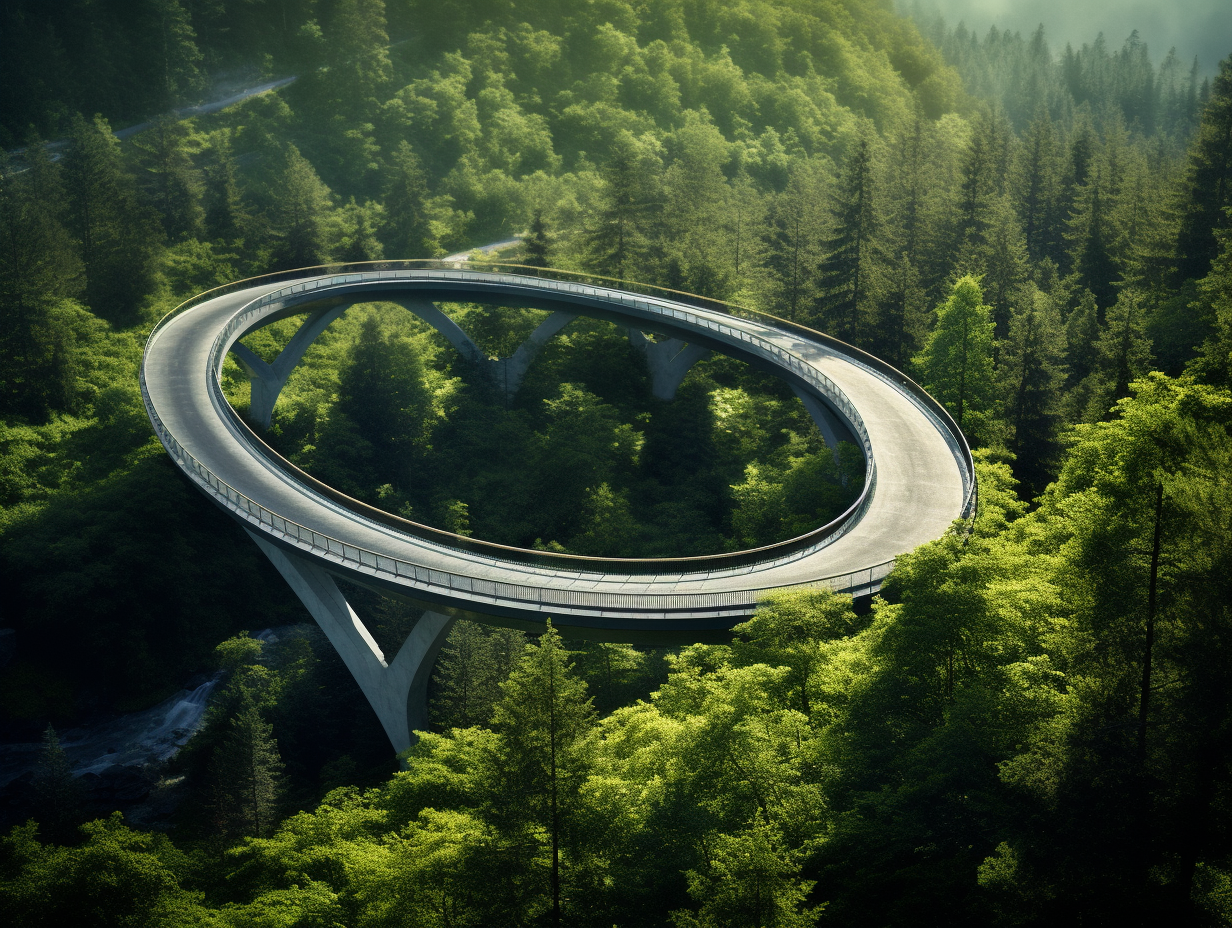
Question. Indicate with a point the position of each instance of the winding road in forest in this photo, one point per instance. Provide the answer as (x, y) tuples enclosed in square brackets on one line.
[(919, 475)]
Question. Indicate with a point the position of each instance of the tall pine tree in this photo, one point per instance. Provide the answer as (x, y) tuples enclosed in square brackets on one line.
[(1208, 181), (543, 719), (849, 272), (956, 364)]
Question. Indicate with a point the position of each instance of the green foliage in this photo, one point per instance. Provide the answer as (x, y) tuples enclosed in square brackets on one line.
[(1207, 187), (956, 364), (1032, 375), (987, 748), (751, 880), (117, 877), (59, 794), (470, 670), (246, 772), (116, 235)]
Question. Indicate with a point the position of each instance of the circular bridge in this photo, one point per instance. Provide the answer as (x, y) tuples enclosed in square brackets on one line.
[(919, 475)]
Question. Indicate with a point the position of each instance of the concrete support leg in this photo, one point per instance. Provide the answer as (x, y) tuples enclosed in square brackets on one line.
[(508, 373), (668, 360), (268, 379), (429, 313), (397, 691), (832, 428)]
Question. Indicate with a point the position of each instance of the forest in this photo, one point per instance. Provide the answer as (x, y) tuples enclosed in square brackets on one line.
[(1031, 724)]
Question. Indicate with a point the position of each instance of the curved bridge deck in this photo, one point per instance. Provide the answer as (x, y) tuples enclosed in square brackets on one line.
[(922, 479)]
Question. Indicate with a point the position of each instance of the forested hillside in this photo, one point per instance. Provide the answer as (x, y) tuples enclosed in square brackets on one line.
[(1029, 726)]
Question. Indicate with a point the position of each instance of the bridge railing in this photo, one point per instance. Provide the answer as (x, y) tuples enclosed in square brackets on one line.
[(602, 287)]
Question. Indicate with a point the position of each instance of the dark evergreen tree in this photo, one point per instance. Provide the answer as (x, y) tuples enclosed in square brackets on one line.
[(1032, 376), (60, 795), (225, 213), (303, 202), (978, 183), (543, 719), (466, 675), (537, 242), (407, 231), (246, 771), (38, 269), (617, 239), (1002, 257), (788, 252), (174, 52), (1091, 237), (1037, 187), (1207, 190), (117, 237), (848, 276), (901, 322), (167, 175), (383, 406)]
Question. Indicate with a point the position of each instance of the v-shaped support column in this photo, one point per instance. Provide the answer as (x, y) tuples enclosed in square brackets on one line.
[(508, 373), (267, 380), (397, 691), (668, 360)]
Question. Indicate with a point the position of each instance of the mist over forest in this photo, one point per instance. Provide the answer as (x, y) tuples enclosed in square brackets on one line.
[(1195, 28), (1030, 724)]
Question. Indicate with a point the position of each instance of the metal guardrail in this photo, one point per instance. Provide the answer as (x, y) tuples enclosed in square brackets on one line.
[(866, 579)]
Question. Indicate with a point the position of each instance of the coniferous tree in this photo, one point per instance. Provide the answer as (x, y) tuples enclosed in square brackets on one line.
[(1214, 365), (1002, 256), (407, 230), (38, 269), (225, 215), (360, 243), (59, 792), (956, 364), (1081, 334), (246, 771), (383, 406), (848, 276), (1032, 376), (978, 183), (790, 239), (901, 322), (1076, 174), (168, 177), (1091, 238), (1207, 189), (117, 237), (304, 200), (618, 237), (537, 242), (44, 178), (466, 674), (543, 718), (906, 190), (1037, 186), (175, 53), (1123, 354)]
